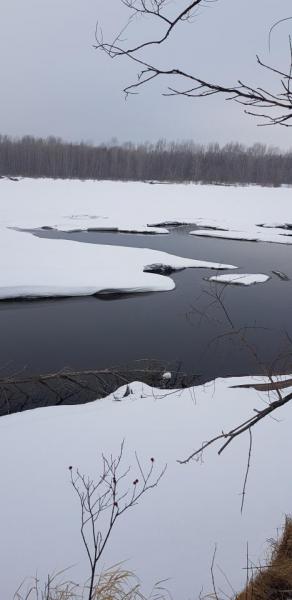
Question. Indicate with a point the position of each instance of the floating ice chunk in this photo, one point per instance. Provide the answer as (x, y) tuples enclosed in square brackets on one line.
[(167, 268), (277, 236), (240, 279), (166, 376)]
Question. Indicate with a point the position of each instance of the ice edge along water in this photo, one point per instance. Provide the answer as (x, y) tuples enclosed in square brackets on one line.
[(31, 267), (243, 213), (42, 268)]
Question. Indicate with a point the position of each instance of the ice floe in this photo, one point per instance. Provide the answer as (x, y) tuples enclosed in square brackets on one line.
[(240, 278), (75, 224), (254, 235)]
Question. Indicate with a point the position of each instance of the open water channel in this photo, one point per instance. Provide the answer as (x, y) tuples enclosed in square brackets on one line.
[(188, 326)]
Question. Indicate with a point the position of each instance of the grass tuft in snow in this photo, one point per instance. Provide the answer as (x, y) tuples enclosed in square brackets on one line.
[(115, 583), (274, 580)]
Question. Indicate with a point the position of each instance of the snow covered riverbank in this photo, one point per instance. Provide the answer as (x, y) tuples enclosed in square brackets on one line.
[(171, 533)]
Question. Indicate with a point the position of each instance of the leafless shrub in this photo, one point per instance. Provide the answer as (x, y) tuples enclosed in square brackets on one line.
[(102, 502), (105, 500)]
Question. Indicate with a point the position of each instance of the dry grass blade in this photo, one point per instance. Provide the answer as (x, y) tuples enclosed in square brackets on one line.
[(115, 583), (274, 581)]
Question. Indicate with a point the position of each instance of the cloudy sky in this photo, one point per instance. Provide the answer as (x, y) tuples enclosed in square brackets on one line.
[(54, 83)]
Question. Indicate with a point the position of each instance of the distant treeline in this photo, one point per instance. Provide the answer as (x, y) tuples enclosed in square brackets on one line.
[(163, 161)]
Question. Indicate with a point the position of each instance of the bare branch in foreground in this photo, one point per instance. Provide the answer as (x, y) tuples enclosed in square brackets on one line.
[(272, 385), (272, 107), (230, 436), (154, 9), (247, 471)]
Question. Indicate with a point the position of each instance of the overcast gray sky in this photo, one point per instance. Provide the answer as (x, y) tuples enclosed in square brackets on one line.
[(54, 83)]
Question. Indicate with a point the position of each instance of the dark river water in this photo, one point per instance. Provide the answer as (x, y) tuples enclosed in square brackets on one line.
[(189, 326)]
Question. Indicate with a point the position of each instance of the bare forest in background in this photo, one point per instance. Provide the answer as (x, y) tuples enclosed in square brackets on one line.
[(162, 161)]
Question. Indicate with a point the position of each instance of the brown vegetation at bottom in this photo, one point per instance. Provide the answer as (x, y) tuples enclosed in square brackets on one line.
[(274, 581), (270, 582), (113, 584)]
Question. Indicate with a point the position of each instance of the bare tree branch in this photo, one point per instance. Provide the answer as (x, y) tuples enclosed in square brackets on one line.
[(230, 436), (247, 471), (146, 7), (249, 96), (277, 387)]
